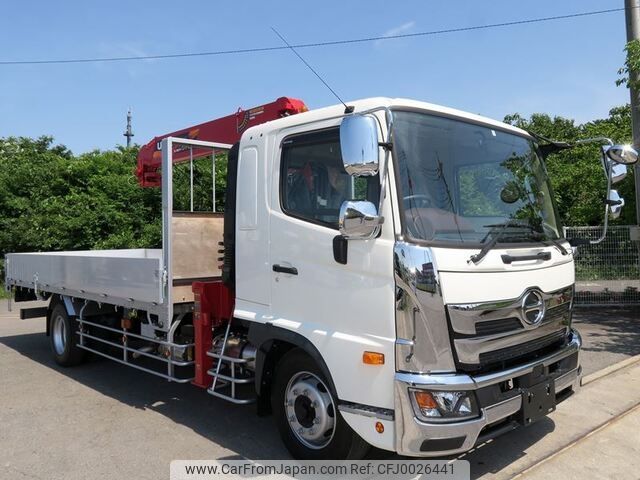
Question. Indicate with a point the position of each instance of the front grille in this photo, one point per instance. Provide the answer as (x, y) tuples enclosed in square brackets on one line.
[(557, 312), (502, 325), (485, 336), (521, 350)]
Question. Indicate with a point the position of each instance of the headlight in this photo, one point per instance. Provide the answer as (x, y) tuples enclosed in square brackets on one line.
[(439, 406)]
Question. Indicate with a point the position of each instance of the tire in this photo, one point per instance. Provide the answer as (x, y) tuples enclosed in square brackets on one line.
[(63, 338), (306, 413)]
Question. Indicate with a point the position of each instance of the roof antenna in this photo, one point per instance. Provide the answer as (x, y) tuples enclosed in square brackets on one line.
[(347, 108)]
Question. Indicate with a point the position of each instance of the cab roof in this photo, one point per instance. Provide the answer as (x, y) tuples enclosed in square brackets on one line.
[(336, 111)]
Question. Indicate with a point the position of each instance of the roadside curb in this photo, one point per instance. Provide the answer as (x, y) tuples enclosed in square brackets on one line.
[(610, 369), (563, 450), (601, 374)]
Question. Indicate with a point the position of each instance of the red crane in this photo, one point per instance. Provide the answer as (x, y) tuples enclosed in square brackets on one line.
[(227, 129)]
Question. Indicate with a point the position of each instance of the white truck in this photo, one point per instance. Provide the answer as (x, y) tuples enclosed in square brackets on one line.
[(393, 275)]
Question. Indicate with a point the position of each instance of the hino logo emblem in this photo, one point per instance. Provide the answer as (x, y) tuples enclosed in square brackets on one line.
[(533, 307)]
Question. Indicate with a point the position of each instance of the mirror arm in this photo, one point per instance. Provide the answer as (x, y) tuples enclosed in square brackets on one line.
[(608, 141), (606, 212)]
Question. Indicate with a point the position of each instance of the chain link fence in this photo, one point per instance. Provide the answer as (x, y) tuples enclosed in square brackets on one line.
[(607, 273)]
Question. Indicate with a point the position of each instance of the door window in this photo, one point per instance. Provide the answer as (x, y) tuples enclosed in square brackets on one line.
[(314, 183)]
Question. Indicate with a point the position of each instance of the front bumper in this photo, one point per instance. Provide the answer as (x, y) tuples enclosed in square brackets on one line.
[(498, 408)]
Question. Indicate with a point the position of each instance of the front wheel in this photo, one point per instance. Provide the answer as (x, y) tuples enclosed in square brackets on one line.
[(63, 338), (306, 413)]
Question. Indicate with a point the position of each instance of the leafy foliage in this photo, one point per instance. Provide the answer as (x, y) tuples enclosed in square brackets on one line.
[(52, 200), (202, 191), (631, 64), (576, 175)]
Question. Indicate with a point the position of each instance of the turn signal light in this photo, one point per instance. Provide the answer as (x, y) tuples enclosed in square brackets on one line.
[(425, 400), (373, 358)]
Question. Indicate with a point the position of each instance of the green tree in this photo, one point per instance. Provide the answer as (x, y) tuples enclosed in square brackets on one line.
[(631, 64), (52, 200)]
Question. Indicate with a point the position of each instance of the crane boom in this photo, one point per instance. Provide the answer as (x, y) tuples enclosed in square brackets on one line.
[(227, 129)]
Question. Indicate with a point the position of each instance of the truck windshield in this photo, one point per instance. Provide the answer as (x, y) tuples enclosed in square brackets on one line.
[(467, 183)]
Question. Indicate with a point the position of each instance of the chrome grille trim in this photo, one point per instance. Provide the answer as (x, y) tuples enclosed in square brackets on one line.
[(486, 333), (465, 316), (521, 349)]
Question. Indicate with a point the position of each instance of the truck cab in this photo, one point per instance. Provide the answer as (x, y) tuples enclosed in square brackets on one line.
[(426, 346)]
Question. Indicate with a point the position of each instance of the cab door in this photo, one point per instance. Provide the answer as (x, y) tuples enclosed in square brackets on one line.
[(343, 309)]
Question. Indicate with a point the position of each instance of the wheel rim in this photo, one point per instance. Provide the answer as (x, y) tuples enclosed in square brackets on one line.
[(310, 410), (59, 334)]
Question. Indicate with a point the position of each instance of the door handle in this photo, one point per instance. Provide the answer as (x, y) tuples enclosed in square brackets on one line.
[(285, 269)]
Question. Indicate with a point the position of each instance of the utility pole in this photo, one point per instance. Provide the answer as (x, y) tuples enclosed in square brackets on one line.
[(129, 134), (632, 12)]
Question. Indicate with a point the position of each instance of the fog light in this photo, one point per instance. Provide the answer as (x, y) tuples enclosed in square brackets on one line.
[(443, 406)]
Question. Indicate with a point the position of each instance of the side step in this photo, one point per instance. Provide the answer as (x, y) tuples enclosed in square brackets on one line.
[(225, 385)]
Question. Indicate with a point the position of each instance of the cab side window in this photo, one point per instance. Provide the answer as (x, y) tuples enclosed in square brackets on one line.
[(314, 183)]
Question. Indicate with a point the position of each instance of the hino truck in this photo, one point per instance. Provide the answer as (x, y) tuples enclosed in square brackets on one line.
[(390, 274)]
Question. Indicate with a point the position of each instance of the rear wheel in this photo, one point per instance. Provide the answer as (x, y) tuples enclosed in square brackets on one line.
[(306, 413), (63, 338)]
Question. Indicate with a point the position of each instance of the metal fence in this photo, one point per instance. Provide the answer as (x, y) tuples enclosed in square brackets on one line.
[(607, 273)]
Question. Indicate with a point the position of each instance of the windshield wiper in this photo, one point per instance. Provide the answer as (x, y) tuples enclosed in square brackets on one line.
[(492, 243), (536, 235), (558, 245), (553, 242)]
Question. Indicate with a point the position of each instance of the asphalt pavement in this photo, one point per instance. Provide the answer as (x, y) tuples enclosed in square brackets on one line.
[(104, 420)]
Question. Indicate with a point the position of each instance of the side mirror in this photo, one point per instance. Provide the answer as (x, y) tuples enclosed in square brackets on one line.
[(615, 202), (359, 145), (359, 219), (624, 154), (618, 170), (614, 161)]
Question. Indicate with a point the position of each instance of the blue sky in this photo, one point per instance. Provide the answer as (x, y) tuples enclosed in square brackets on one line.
[(565, 67)]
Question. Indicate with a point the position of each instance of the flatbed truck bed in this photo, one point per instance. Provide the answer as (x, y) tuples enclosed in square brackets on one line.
[(129, 278)]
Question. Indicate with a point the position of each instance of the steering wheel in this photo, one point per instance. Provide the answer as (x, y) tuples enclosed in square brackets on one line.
[(419, 200)]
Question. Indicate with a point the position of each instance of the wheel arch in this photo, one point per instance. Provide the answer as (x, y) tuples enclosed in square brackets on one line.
[(272, 343)]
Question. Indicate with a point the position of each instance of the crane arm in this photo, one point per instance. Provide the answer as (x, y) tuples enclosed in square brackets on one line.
[(227, 129)]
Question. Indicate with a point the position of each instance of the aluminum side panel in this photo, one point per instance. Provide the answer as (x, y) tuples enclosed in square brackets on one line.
[(125, 274)]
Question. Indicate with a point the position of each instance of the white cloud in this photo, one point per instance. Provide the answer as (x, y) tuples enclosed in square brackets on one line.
[(399, 30)]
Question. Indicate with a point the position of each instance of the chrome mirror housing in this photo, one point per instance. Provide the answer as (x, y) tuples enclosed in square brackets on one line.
[(616, 202), (359, 219), (359, 145), (618, 172), (623, 154)]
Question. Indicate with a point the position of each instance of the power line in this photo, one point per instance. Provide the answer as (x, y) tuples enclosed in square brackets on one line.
[(315, 44)]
